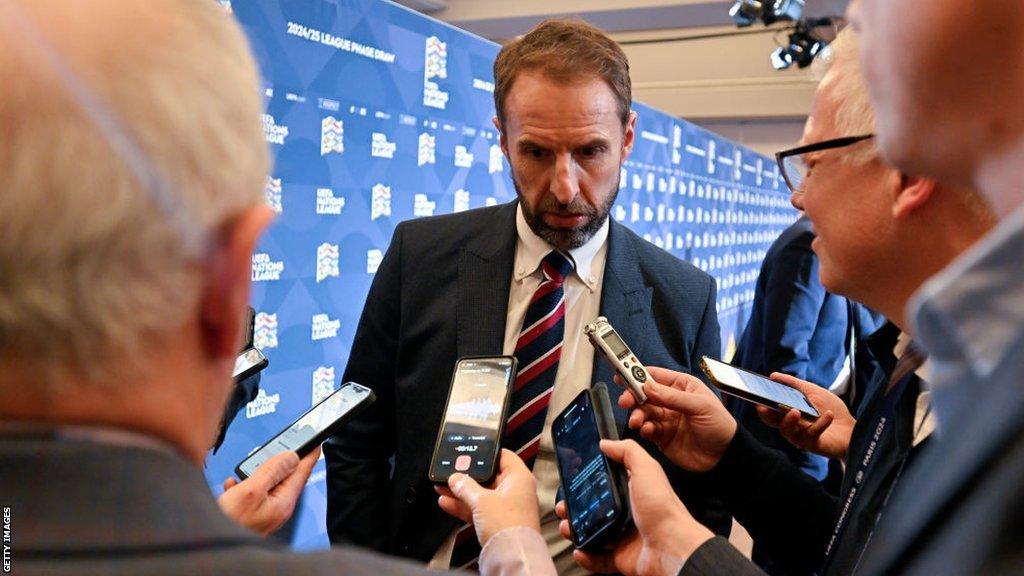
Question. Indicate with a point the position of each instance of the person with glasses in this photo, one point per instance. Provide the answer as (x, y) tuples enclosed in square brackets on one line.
[(799, 328), (876, 244)]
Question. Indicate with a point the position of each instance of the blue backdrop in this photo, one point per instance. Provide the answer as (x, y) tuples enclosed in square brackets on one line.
[(376, 114)]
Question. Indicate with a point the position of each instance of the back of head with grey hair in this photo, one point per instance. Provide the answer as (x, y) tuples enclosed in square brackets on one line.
[(91, 258)]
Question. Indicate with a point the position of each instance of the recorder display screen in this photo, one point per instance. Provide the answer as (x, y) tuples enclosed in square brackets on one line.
[(616, 344)]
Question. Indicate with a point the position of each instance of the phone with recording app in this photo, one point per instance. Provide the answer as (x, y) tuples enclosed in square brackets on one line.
[(312, 428), (595, 488), (469, 440), (757, 388)]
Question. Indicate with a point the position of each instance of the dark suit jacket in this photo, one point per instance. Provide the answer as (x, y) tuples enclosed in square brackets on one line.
[(795, 327), (440, 293), (790, 513), (80, 508), (958, 509)]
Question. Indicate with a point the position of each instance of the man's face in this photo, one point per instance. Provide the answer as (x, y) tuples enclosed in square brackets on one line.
[(847, 199), (565, 144), (946, 77)]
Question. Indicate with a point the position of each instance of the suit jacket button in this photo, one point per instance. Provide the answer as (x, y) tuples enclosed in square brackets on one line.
[(410, 495)]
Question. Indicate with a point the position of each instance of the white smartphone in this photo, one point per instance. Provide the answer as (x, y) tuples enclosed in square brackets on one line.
[(756, 388), (312, 428)]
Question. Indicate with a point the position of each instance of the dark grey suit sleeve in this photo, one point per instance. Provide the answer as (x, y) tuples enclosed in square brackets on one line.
[(717, 557), (358, 477), (788, 512)]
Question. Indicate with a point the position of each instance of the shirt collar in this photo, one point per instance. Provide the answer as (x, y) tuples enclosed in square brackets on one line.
[(970, 314), (924, 370), (531, 249)]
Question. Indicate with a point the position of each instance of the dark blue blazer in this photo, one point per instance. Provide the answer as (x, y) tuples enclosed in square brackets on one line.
[(441, 293), (795, 327)]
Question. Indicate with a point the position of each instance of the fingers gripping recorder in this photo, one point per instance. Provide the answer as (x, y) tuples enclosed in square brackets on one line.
[(607, 341)]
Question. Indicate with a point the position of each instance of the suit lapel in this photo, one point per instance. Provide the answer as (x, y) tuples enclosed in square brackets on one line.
[(626, 303), (485, 271)]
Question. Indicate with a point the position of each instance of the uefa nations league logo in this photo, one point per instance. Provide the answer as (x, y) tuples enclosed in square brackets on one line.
[(323, 383), (327, 261), (380, 201), (272, 193), (427, 153), (332, 136), (265, 331)]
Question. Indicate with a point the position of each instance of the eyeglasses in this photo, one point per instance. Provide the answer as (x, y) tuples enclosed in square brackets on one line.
[(793, 167)]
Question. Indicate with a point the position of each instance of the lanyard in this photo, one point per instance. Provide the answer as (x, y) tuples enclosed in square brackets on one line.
[(860, 472)]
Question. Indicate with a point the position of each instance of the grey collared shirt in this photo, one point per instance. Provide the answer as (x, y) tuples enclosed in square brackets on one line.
[(969, 316)]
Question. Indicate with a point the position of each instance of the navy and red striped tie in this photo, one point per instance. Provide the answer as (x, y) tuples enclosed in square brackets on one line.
[(538, 350)]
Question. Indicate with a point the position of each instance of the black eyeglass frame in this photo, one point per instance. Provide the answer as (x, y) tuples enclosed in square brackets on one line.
[(780, 157)]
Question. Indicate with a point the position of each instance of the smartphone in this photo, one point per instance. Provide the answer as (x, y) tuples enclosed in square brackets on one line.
[(756, 388), (469, 440), (312, 428), (595, 488), (248, 363), (607, 341)]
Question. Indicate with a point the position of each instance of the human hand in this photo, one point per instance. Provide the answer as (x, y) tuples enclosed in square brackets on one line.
[(683, 417), (665, 535), (829, 435), (510, 502), (266, 500)]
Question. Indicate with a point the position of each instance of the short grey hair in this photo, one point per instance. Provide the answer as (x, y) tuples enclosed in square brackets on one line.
[(839, 68), (89, 264)]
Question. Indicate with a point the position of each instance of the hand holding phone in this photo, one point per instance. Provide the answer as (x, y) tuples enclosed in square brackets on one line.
[(312, 428), (756, 388), (469, 439), (666, 533), (594, 486)]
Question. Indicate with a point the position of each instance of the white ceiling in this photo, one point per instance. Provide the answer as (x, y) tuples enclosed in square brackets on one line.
[(707, 79)]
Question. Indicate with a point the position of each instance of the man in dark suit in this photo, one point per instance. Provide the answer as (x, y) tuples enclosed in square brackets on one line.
[(121, 310), (462, 284)]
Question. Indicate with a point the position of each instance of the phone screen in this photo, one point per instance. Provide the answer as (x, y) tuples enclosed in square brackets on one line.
[(759, 386), (586, 479), (248, 360), (309, 425), (468, 442)]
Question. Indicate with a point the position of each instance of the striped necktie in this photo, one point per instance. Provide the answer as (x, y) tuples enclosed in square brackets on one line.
[(538, 350)]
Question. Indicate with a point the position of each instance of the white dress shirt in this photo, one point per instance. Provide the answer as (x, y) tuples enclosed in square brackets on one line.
[(575, 368)]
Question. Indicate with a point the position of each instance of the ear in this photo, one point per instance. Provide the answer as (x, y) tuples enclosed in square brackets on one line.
[(225, 295), (913, 193), (502, 140), (629, 135)]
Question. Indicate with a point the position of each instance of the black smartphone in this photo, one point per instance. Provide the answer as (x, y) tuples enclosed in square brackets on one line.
[(248, 363), (312, 428), (596, 489), (469, 439), (756, 388)]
